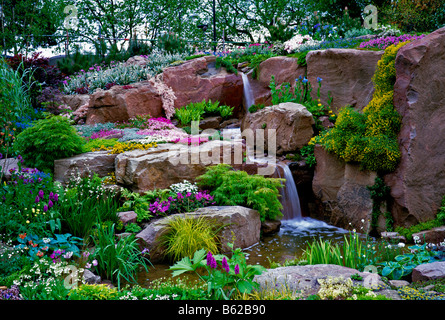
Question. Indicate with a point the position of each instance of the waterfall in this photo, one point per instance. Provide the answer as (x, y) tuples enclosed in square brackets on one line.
[(289, 195), (248, 94)]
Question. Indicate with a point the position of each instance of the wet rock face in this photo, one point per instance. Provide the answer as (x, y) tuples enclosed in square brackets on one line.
[(418, 183)]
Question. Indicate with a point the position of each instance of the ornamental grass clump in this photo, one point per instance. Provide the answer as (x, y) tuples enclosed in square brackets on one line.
[(187, 234)]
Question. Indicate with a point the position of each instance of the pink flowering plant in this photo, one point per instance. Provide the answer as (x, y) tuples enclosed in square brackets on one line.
[(223, 275), (384, 42)]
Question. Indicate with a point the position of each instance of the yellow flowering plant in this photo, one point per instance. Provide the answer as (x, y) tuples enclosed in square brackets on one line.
[(370, 137)]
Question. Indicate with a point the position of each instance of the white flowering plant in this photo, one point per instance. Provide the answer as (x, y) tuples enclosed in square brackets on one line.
[(46, 280), (184, 187), (294, 44)]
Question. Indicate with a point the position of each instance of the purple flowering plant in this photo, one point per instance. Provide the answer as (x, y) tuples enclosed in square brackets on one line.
[(180, 203), (223, 275), (384, 42), (28, 197)]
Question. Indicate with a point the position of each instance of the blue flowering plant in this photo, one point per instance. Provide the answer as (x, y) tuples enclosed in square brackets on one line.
[(301, 94), (224, 276)]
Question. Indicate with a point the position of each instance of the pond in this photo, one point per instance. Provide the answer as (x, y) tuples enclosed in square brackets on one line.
[(289, 242)]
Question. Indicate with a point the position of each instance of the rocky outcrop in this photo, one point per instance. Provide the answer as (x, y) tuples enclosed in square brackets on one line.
[(418, 183), (435, 235), (346, 74), (292, 122), (284, 69), (240, 226), (429, 271), (99, 162), (340, 188), (142, 170), (75, 101), (198, 79), (7, 166), (304, 279), (120, 103)]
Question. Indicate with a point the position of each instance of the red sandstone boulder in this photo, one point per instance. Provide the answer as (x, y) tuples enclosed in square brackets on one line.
[(75, 101), (346, 73), (341, 191), (123, 102), (284, 69), (198, 79), (292, 122), (418, 183)]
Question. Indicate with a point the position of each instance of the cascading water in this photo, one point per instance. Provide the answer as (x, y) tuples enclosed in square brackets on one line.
[(289, 195), (248, 94)]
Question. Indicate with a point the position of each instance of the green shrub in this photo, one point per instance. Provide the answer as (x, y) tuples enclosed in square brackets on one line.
[(230, 187), (222, 62), (48, 140), (171, 43), (255, 107), (185, 235)]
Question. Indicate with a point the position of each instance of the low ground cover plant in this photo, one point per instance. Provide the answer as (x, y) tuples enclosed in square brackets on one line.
[(231, 187)]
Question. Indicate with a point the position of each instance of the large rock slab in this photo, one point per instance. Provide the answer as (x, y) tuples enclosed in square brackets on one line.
[(197, 80), (241, 226), (291, 121), (341, 192), (143, 170), (284, 69), (429, 271), (120, 103), (346, 73), (99, 162), (305, 278), (435, 235), (418, 183)]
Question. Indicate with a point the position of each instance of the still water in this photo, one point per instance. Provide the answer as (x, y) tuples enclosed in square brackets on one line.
[(289, 242)]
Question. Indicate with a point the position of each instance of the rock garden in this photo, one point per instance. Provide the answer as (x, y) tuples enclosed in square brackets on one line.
[(305, 167)]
